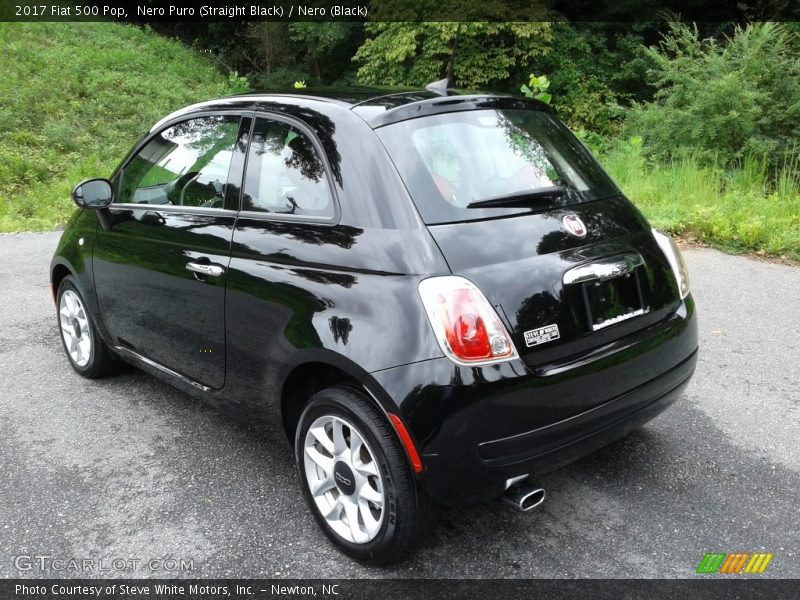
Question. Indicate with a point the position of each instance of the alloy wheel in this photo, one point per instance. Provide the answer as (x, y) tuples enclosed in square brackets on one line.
[(344, 479), (75, 328)]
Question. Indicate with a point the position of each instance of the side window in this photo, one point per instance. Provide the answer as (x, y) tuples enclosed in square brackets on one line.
[(184, 165), (285, 174)]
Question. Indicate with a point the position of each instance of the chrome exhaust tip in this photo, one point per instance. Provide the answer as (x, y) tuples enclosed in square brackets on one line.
[(524, 496)]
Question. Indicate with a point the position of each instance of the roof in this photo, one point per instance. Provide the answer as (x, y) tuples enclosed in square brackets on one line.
[(377, 106)]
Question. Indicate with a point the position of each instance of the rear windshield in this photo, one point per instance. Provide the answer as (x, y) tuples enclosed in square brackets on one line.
[(450, 160)]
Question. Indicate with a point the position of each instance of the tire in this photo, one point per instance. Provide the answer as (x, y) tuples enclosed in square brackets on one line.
[(85, 349), (391, 516)]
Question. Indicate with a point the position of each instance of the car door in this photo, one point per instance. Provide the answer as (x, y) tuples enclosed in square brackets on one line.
[(160, 267), (284, 251)]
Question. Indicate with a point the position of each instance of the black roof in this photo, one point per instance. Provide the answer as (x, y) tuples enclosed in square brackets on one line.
[(379, 105)]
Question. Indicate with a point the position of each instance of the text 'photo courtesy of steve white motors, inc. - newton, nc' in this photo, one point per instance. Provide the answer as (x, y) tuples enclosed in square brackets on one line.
[(189, 590), (264, 11)]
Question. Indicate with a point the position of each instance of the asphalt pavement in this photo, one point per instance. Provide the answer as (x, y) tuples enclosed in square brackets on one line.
[(129, 469)]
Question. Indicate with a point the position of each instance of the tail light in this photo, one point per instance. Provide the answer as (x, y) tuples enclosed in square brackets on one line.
[(466, 326), (673, 254)]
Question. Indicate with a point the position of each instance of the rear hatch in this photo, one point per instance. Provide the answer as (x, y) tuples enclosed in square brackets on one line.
[(519, 207), (560, 295)]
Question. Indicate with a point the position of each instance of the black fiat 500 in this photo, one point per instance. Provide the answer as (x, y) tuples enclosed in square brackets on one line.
[(437, 296)]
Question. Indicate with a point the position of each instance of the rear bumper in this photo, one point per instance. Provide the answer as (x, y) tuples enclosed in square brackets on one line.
[(478, 427)]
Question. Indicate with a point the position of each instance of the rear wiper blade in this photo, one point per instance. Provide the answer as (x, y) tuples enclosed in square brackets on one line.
[(522, 198)]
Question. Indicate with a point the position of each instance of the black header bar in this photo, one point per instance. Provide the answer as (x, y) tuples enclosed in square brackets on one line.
[(706, 587), (401, 10)]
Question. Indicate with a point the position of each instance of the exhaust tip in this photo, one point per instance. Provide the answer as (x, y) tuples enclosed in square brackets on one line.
[(524, 497)]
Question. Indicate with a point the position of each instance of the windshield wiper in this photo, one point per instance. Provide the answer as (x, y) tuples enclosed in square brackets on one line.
[(522, 198)]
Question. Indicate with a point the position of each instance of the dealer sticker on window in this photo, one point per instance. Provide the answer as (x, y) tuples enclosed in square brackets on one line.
[(548, 333)]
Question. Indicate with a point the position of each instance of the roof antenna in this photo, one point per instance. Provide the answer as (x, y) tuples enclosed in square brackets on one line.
[(439, 87)]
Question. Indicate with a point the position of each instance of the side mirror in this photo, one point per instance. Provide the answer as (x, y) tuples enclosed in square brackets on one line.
[(93, 193)]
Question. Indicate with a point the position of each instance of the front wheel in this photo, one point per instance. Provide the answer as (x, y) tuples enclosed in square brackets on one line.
[(356, 478), (86, 351)]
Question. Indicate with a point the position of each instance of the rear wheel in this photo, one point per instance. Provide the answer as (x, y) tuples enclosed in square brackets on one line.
[(86, 351), (356, 478)]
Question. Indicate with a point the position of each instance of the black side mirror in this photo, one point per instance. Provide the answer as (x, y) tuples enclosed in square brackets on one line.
[(93, 193)]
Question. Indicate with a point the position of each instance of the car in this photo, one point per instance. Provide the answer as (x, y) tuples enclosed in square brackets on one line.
[(437, 295)]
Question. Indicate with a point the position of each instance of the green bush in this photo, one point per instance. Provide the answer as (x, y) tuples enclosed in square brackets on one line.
[(723, 102)]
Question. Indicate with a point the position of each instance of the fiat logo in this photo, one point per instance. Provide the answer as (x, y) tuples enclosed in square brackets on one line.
[(574, 226)]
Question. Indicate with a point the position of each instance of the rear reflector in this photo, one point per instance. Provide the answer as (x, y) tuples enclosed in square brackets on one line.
[(408, 443)]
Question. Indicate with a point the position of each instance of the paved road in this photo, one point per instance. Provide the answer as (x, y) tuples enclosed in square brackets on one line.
[(130, 468)]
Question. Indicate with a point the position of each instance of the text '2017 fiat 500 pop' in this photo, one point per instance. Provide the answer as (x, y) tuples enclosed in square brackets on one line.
[(437, 296)]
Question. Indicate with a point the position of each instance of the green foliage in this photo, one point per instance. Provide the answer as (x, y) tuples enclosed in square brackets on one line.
[(537, 88), (319, 40), (737, 209), (74, 98), (279, 80), (418, 53), (597, 144), (723, 102), (237, 83), (594, 71)]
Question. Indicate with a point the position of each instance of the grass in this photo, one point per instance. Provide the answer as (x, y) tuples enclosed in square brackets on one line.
[(744, 210), (74, 98)]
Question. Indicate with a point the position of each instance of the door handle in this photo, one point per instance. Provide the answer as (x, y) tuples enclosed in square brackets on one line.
[(205, 269), (604, 269)]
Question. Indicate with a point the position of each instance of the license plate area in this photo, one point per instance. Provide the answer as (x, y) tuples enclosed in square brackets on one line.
[(611, 301)]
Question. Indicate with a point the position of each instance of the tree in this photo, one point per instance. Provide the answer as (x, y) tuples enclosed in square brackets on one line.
[(270, 43), (320, 39), (478, 53)]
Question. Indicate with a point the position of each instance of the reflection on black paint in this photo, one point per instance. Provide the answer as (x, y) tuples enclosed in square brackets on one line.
[(342, 236), (326, 277), (326, 133), (341, 328), (540, 308)]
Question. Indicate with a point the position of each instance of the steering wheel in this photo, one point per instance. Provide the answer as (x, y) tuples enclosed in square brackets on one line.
[(185, 187), (180, 184)]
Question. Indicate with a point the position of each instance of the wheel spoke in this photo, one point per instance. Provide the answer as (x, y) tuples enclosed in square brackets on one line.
[(371, 524), (324, 462), (323, 438), (64, 312), (322, 486), (85, 346), (355, 445), (339, 443), (351, 510), (70, 301), (68, 341), (335, 510), (368, 468), (367, 492)]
